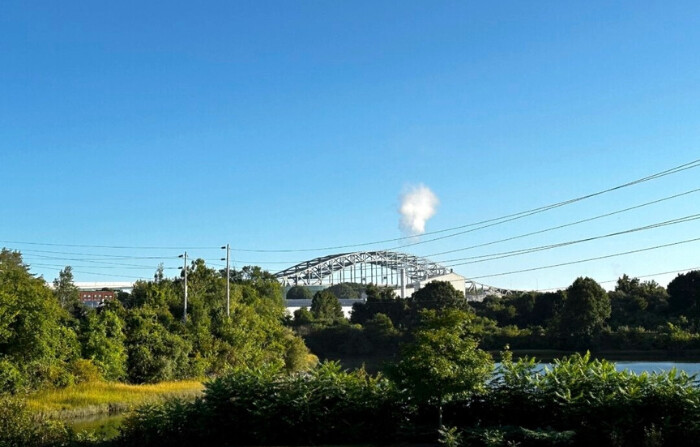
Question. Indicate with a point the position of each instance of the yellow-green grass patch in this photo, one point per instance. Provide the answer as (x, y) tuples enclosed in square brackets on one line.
[(106, 397)]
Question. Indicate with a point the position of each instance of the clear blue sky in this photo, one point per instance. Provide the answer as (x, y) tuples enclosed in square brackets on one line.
[(293, 125)]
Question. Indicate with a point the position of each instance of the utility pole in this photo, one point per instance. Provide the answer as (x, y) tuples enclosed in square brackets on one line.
[(228, 280), (184, 313)]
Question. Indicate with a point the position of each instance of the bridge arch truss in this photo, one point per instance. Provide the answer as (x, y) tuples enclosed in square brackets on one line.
[(384, 268)]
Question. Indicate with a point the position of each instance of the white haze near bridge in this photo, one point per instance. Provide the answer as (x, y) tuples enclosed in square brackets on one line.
[(418, 205)]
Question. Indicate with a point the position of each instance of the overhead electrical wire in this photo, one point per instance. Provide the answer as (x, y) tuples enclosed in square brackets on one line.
[(631, 276), (570, 224), (493, 221), (497, 220), (111, 275), (447, 263), (580, 261), (60, 266), (508, 254), (106, 263), (520, 236), (98, 254)]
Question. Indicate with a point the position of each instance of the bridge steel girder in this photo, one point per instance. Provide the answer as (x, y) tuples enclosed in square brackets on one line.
[(323, 270), (318, 271)]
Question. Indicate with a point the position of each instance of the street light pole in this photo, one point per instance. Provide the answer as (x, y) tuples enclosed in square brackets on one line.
[(184, 313), (228, 280)]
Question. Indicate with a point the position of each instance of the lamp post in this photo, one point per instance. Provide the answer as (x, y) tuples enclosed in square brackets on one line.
[(228, 280), (184, 268)]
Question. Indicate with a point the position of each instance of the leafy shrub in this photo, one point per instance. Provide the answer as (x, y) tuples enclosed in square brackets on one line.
[(517, 436), (85, 371), (603, 406), (19, 428), (11, 379), (265, 407)]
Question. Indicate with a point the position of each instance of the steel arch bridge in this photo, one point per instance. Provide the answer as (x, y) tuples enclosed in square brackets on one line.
[(384, 268)]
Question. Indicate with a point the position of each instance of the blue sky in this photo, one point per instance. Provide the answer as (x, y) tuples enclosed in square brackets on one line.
[(297, 125)]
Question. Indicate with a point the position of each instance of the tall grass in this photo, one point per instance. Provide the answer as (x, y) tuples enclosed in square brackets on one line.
[(93, 398)]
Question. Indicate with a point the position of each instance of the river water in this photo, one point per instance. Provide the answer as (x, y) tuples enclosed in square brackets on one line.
[(651, 367), (648, 367)]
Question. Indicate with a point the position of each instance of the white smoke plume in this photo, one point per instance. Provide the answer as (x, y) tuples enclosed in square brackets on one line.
[(418, 204)]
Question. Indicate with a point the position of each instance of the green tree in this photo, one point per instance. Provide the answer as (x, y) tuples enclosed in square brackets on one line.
[(442, 362), (380, 326), (303, 316), (346, 290), (438, 295), (379, 300), (299, 293), (636, 303), (66, 292), (325, 307), (546, 306), (33, 333), (497, 308), (585, 309), (154, 353), (381, 333), (684, 293), (102, 338)]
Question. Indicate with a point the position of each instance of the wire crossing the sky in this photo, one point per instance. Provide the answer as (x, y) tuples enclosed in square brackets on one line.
[(492, 222), (580, 261), (508, 254)]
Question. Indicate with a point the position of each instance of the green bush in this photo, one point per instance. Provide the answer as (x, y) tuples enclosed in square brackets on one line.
[(19, 428), (267, 407), (85, 371), (517, 436), (11, 379), (603, 406)]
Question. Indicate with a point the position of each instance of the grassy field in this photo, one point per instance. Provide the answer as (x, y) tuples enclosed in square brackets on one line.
[(95, 398)]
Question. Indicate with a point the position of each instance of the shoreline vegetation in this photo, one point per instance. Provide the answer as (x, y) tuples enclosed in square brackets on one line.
[(420, 368), (376, 363), (580, 401), (102, 398), (623, 355)]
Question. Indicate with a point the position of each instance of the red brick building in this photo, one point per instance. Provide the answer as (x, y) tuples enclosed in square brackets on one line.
[(92, 298)]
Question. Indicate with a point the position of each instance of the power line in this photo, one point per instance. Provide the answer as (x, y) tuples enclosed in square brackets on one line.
[(558, 227), (135, 278), (115, 247), (631, 276), (101, 262), (497, 220), (580, 261), (97, 254), (493, 221), (508, 254), (60, 266)]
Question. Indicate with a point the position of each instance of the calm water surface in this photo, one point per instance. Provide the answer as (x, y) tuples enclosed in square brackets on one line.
[(649, 367), (640, 367)]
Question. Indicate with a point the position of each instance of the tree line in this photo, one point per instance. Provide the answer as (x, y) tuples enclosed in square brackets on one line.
[(49, 338), (265, 388), (442, 387), (636, 315)]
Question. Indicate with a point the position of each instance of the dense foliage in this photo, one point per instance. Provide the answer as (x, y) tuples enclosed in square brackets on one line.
[(439, 385), (262, 406), (48, 338), (577, 402), (590, 399), (635, 316)]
